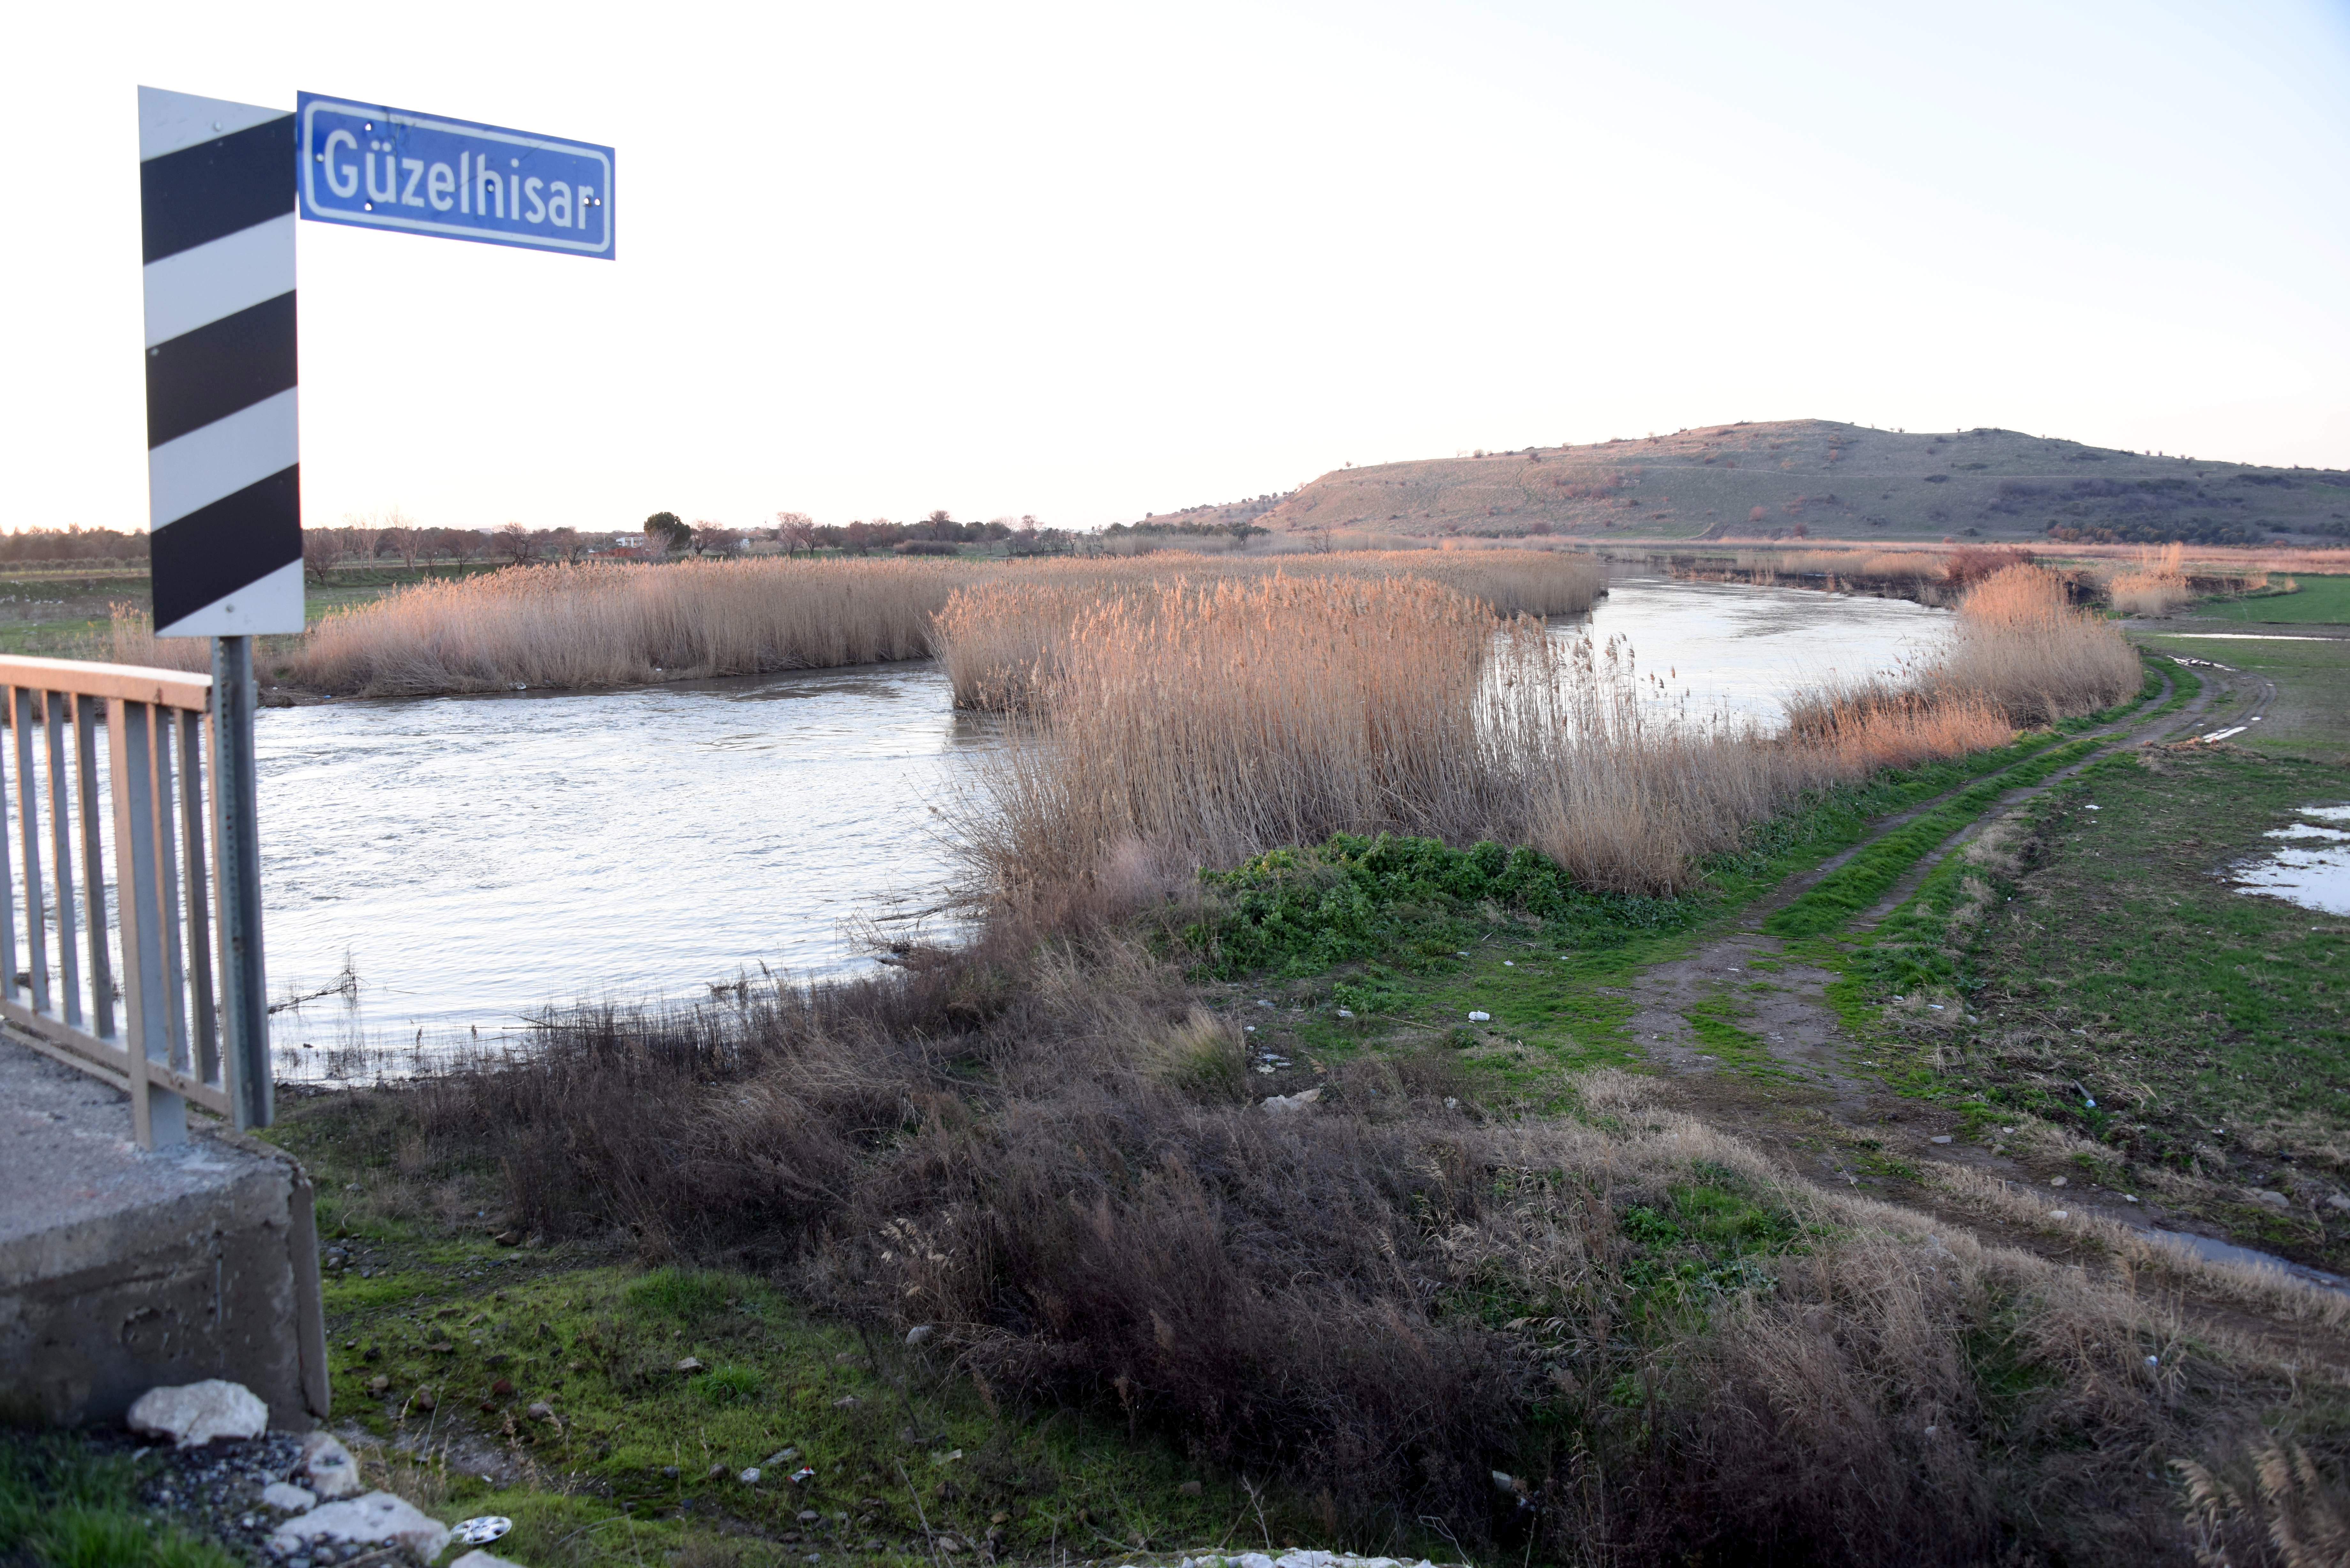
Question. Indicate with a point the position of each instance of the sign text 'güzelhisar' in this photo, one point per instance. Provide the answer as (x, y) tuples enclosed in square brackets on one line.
[(382, 168)]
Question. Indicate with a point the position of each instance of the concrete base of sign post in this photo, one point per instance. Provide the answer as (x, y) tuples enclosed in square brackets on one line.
[(123, 1268)]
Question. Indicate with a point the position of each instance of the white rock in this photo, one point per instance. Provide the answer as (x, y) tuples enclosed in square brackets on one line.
[(196, 1413), (477, 1558), (918, 1332), (2337, 1201), (329, 1466), (2276, 1199), (377, 1519), (1278, 1105), (1480, 1018), (288, 1498)]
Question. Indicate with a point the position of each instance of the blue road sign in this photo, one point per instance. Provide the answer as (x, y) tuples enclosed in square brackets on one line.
[(380, 168)]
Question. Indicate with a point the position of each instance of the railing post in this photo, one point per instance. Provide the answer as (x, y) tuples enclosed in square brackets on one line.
[(158, 1116), (237, 860)]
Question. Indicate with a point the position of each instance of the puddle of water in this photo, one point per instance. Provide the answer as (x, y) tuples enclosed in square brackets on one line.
[(2215, 1251), (2315, 877), (476, 859)]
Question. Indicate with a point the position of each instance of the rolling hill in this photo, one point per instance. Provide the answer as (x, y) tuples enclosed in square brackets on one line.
[(1819, 479)]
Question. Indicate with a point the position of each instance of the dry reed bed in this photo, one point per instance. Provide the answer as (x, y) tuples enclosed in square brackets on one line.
[(1385, 1300), (1001, 639), (567, 626), (1198, 724), (2021, 644)]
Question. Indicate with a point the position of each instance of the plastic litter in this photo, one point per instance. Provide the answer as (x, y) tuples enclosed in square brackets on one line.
[(801, 1475), (483, 1529), (1480, 1018), (1346, 1013)]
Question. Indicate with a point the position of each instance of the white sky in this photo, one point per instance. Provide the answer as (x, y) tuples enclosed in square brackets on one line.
[(1087, 260)]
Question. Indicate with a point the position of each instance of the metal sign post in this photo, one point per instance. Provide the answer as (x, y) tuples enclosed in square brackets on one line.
[(223, 477), (220, 186)]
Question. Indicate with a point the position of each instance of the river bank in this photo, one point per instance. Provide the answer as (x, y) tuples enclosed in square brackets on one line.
[(1363, 1173), (401, 831), (1744, 1171)]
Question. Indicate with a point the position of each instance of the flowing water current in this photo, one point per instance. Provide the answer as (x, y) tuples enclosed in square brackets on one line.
[(453, 865)]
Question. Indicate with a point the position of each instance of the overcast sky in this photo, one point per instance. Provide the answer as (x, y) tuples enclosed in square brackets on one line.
[(1090, 260)]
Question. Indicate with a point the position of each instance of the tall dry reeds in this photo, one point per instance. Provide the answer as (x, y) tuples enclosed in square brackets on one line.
[(130, 639), (2022, 645), (1197, 725), (2155, 584), (611, 625), (1002, 639), (1630, 797)]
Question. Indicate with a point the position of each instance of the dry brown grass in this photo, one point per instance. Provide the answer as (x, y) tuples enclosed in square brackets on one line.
[(614, 625), (999, 640), (1192, 725), (1393, 1296), (595, 625), (1630, 799), (2022, 645), (130, 639)]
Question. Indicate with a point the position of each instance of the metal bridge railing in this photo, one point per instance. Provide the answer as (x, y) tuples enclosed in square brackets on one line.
[(129, 914)]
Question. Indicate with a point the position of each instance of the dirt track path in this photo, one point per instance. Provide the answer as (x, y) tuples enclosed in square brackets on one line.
[(1813, 1097)]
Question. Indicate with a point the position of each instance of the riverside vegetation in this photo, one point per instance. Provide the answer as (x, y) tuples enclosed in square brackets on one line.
[(1002, 1247)]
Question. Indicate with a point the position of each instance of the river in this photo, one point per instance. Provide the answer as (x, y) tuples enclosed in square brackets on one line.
[(466, 861)]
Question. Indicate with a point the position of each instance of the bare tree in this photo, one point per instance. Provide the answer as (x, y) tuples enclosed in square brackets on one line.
[(714, 539), (362, 536), (512, 542), (566, 543), (796, 530), (321, 548)]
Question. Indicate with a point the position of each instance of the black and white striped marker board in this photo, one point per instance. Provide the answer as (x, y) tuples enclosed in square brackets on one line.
[(223, 477)]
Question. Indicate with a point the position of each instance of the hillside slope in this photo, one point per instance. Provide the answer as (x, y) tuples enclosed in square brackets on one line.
[(1828, 481)]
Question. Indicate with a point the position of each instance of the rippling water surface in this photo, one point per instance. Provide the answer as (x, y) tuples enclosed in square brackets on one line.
[(474, 859)]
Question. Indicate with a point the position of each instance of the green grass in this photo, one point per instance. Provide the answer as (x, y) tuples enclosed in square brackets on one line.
[(2310, 714), (623, 1473), (1411, 938), (635, 1438), (2320, 600), (65, 1506), (1862, 880), (1714, 1022), (2210, 1026)]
